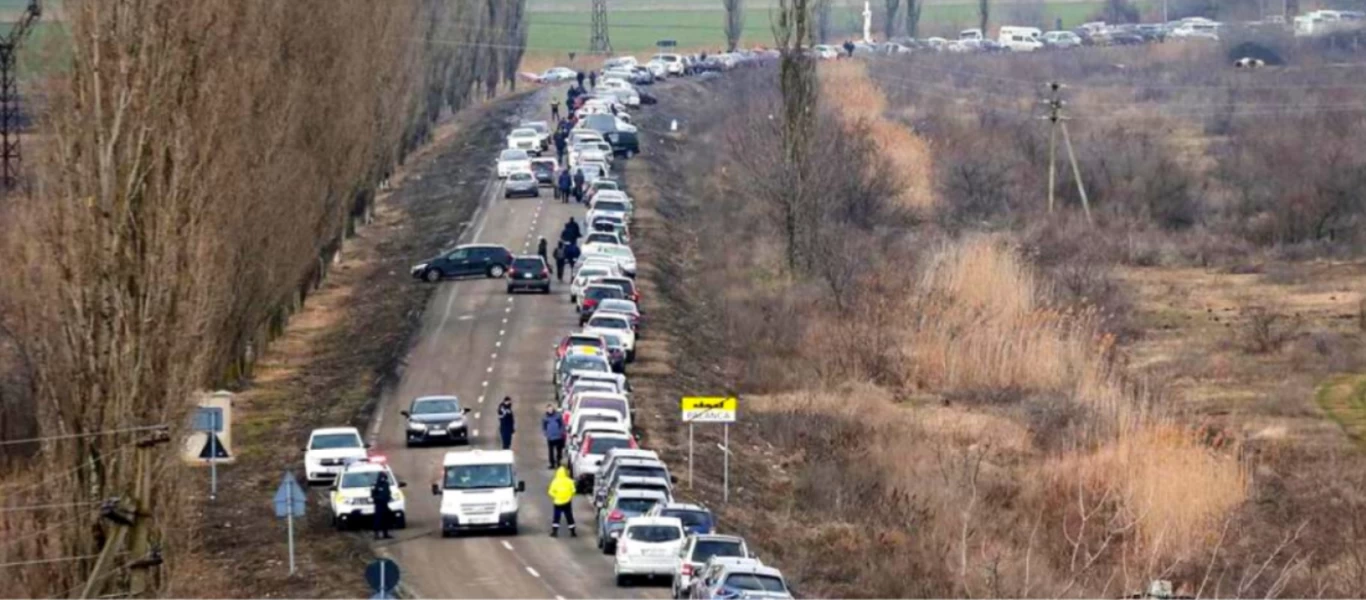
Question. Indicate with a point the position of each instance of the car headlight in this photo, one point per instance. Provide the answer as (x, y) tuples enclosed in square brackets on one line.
[(420, 266), (458, 422), (416, 426)]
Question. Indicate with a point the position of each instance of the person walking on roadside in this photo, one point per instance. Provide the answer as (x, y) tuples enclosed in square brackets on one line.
[(571, 233), (507, 422), (849, 48), (592, 79), (552, 425), (560, 142), (571, 255), (380, 496), (578, 76), (555, 108), (562, 492), (559, 261), (566, 183), (542, 251), (578, 185)]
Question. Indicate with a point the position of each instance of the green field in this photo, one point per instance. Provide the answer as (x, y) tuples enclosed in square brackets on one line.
[(701, 25)]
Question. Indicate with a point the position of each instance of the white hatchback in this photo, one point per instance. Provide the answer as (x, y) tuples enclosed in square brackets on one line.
[(513, 160), (648, 547)]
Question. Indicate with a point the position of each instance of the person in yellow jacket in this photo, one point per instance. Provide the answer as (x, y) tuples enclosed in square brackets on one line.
[(562, 491)]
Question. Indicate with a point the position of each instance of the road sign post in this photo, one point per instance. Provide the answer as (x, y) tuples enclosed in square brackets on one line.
[(711, 409), (209, 420), (382, 575), (289, 502)]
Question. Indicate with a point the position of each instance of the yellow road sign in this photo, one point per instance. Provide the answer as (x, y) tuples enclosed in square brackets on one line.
[(710, 409)]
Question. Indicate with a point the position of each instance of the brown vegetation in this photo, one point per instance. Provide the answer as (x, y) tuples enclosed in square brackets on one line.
[(204, 163)]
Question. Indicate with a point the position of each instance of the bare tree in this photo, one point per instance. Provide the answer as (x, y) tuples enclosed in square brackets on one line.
[(983, 15), (797, 81), (889, 22), (913, 17), (735, 22), (822, 11)]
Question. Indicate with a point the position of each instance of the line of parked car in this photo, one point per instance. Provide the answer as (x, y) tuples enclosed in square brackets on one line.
[(639, 521)]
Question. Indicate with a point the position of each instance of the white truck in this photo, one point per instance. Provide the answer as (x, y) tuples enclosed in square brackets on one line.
[(478, 490), (1021, 39)]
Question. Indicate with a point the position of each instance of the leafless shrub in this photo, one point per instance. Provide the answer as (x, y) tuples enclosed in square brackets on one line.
[(1267, 329)]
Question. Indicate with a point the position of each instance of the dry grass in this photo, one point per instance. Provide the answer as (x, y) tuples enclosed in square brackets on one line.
[(848, 87)]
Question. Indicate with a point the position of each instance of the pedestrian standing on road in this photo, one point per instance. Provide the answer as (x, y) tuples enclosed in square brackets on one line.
[(507, 422), (553, 427), (559, 261), (579, 76), (571, 255), (566, 183), (848, 48), (380, 497), (541, 250), (592, 79), (571, 232), (561, 140), (578, 185), (555, 108), (562, 498)]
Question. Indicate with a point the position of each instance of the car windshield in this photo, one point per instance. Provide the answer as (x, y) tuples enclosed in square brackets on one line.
[(513, 155), (521, 176), (754, 583), (604, 403), (602, 237), (705, 549), (608, 323), (699, 519), (335, 441), (432, 407), (538, 127), (610, 206), (626, 286), (588, 273), (613, 341), (471, 477), (600, 292), (616, 251), (527, 264), (603, 445), (360, 479), (585, 363), (643, 471), (524, 133), (654, 533), (542, 165), (635, 506), (605, 184)]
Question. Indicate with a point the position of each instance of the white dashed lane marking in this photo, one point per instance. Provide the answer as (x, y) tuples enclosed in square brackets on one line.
[(533, 572), (507, 545)]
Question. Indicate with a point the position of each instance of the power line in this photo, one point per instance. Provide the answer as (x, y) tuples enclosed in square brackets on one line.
[(43, 561), (70, 436), (44, 480), (39, 533), (31, 507)]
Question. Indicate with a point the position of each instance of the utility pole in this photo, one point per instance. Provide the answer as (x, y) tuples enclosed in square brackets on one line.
[(1058, 122), (131, 516), (9, 95), (599, 42)]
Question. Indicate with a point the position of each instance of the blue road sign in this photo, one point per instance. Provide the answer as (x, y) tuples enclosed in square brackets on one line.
[(208, 418), (289, 497), (382, 575)]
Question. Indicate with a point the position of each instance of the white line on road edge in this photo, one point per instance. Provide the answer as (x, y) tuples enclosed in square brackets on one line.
[(533, 572), (507, 545)]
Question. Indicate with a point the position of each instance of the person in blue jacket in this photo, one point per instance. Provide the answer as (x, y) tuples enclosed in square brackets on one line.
[(553, 427), (566, 184)]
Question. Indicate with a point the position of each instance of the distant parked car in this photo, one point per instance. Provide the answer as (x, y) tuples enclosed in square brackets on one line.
[(529, 272), (1061, 40), (556, 74), (514, 160), (521, 183)]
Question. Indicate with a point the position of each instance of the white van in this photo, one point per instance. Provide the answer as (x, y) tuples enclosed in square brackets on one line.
[(478, 490), (1021, 39), (971, 35), (619, 61)]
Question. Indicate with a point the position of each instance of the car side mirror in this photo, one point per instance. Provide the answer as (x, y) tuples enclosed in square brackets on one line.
[(467, 410), (521, 486), (436, 489), (305, 450), (403, 484), (404, 413), (673, 479), (367, 446)]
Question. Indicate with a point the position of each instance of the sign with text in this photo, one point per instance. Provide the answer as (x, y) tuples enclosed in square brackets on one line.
[(710, 409)]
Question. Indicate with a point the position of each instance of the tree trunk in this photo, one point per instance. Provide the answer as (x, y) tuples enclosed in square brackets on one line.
[(913, 17), (889, 23), (735, 23)]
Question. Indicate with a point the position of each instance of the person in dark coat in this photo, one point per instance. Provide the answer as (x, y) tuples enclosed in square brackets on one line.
[(592, 79), (849, 48), (560, 142), (566, 183), (381, 495), (580, 78), (507, 422), (559, 261), (542, 250), (555, 108), (571, 232), (578, 185), (571, 254), (552, 425)]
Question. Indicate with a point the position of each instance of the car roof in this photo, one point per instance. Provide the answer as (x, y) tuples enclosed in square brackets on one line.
[(360, 466), (584, 336), (523, 131), (682, 506), (601, 286), (334, 430), (529, 257), (478, 457), (635, 494), (649, 521), (628, 453), (426, 398), (719, 537), (732, 561), (756, 569), (606, 435)]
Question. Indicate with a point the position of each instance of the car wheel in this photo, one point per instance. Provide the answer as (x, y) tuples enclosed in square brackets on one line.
[(509, 289), (506, 195), (621, 581), (496, 271), (546, 289), (401, 523), (512, 526), (336, 523), (609, 547), (630, 153), (573, 299), (432, 275)]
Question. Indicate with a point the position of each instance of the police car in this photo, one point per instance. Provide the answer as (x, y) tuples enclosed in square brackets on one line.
[(350, 494)]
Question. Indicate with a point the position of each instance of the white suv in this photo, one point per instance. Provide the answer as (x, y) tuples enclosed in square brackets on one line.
[(350, 498), (648, 547), (330, 450)]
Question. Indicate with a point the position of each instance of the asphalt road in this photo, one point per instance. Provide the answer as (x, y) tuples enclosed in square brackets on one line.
[(481, 344)]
